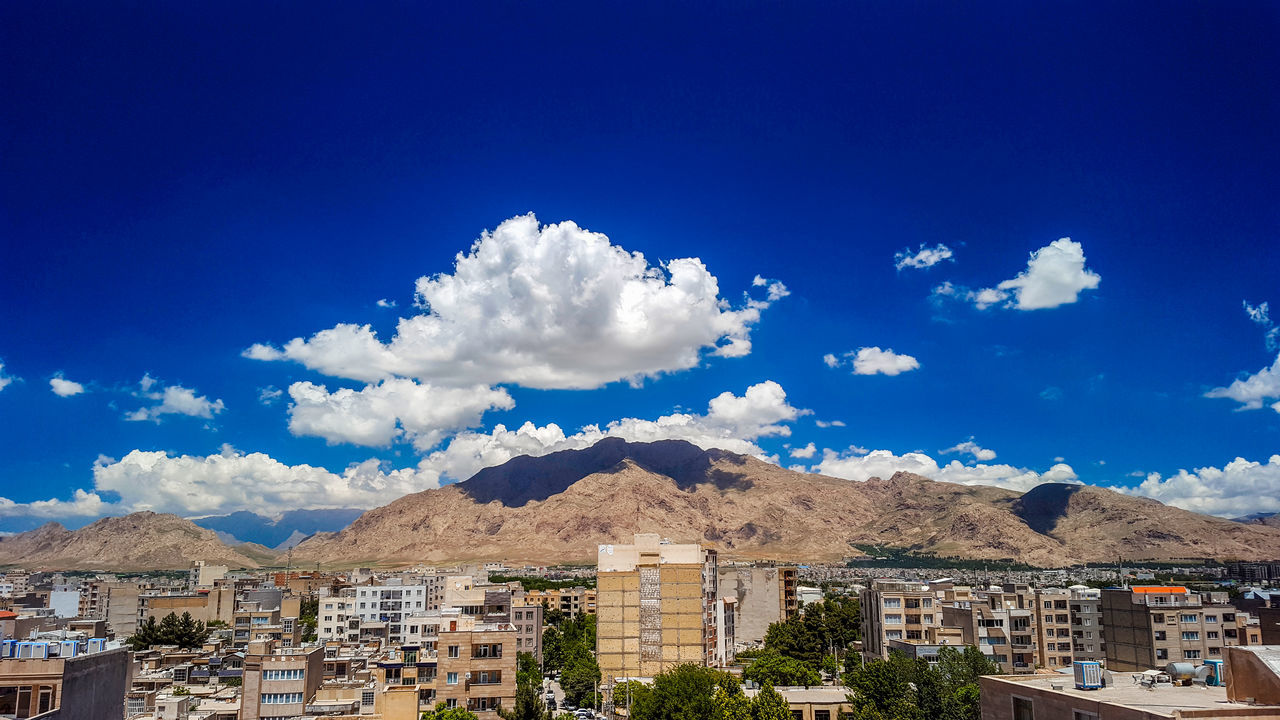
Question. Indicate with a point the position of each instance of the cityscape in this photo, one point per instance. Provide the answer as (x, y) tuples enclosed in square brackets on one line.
[(606, 361)]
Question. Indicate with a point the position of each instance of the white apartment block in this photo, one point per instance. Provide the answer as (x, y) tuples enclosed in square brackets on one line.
[(335, 618), (390, 604)]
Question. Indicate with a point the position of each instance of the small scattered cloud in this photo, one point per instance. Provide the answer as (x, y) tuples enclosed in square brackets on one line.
[(923, 257), (1055, 276), (172, 400), (829, 423), (1254, 391), (5, 379), (63, 387), (805, 452), (873, 361), (269, 395), (1261, 314), (972, 448), (385, 303), (1051, 393)]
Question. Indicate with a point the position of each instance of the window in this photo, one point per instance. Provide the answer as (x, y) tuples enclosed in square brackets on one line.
[(1212, 635), (892, 619), (281, 698), (1023, 709), (893, 602), (1211, 618), (453, 651), (821, 715), (1215, 651), (1160, 635), (1083, 715), (1048, 604), (892, 634), (1157, 617), (926, 603), (366, 698), (451, 678), (1191, 654), (282, 674), (1190, 618), (1162, 654), (1191, 635)]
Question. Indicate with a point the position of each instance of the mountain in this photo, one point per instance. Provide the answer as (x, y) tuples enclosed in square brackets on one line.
[(558, 507), (244, 526), (140, 541), (1270, 519)]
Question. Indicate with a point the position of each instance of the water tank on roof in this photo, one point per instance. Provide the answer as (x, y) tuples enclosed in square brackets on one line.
[(1180, 672)]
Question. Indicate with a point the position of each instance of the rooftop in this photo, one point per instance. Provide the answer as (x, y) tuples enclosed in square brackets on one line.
[(1163, 700)]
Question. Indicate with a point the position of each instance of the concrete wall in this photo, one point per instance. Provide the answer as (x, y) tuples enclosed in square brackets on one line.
[(93, 686)]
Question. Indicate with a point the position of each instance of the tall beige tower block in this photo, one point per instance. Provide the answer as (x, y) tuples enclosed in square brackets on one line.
[(655, 607)]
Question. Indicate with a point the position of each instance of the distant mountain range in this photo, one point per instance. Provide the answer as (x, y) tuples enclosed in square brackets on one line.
[(1269, 519), (558, 507), (280, 533)]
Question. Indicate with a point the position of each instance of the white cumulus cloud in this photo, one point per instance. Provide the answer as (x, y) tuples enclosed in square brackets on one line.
[(1055, 275), (978, 452), (859, 465), (63, 387), (924, 257), (1238, 488), (543, 306), (1261, 314), (232, 480), (392, 409), (873, 361), (385, 303), (1252, 391), (172, 400), (805, 452)]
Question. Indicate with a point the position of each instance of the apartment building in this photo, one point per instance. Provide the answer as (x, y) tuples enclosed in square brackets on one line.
[(656, 607), (1053, 627), (470, 665), (1088, 641), (528, 624), (762, 596), (390, 604), (279, 684), (336, 618), (570, 601), (204, 575), (896, 610), (1007, 635), (1151, 626)]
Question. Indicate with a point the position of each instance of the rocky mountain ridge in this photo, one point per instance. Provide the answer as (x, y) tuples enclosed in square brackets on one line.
[(558, 507)]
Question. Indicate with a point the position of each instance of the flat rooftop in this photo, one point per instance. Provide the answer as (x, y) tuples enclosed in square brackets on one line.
[(1162, 700)]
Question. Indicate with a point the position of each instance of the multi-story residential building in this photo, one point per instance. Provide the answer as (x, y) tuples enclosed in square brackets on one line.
[(390, 604), (1088, 641), (204, 575), (570, 601), (656, 607), (279, 684), (1007, 635), (528, 623), (1151, 626), (896, 610), (1053, 625), (762, 596), (336, 618), (471, 665)]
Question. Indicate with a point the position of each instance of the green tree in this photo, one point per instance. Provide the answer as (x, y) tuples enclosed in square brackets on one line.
[(307, 617), (625, 693), (768, 704), (731, 706), (580, 678), (185, 632), (685, 692), (528, 706), (771, 668), (883, 690), (443, 712), (552, 649), (903, 688), (822, 628)]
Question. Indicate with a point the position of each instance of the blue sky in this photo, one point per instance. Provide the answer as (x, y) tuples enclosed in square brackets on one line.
[(187, 189)]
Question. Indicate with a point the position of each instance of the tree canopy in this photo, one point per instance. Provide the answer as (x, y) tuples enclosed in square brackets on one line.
[(902, 688), (771, 668), (186, 632)]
